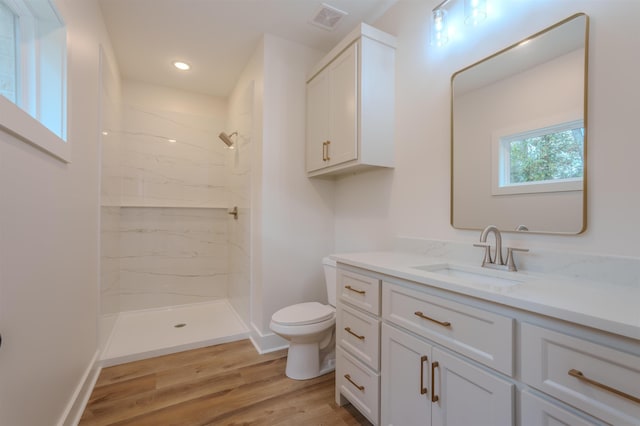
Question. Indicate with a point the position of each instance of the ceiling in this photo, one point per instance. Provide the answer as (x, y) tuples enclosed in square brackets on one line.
[(217, 37)]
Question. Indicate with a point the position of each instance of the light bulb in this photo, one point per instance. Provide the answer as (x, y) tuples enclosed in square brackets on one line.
[(475, 11), (439, 28)]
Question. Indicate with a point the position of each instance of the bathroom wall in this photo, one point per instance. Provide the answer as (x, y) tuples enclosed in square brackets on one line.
[(173, 219), (296, 212), (291, 215), (413, 199), (49, 261)]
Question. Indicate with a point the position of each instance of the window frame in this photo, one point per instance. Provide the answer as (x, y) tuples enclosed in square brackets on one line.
[(500, 158), (19, 120)]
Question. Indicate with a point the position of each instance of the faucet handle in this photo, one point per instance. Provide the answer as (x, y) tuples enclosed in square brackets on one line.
[(511, 264)]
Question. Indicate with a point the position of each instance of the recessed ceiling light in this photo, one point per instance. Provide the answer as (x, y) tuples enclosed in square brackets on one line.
[(183, 66), (172, 140)]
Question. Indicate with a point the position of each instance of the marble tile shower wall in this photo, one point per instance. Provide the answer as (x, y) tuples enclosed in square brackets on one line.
[(172, 256), (172, 159), (172, 224)]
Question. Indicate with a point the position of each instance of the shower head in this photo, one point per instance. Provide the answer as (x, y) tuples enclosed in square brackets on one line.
[(227, 139)]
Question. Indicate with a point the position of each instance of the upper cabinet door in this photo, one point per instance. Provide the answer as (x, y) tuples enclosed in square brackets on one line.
[(343, 107), (350, 105), (317, 122)]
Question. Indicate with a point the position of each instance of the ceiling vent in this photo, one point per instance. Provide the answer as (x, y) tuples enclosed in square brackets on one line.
[(327, 17)]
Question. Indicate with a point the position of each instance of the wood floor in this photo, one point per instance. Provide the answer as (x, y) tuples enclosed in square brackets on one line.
[(227, 384)]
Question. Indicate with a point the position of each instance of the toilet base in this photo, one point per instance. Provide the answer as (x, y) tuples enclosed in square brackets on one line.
[(303, 361)]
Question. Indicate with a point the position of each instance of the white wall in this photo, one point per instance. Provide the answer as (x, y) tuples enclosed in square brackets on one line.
[(291, 215), (414, 199), (297, 222), (49, 245)]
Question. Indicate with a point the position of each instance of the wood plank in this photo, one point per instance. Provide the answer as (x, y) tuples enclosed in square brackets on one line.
[(228, 384)]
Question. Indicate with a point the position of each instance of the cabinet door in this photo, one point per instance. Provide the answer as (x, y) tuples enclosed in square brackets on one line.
[(317, 121), (469, 395), (405, 384), (343, 107)]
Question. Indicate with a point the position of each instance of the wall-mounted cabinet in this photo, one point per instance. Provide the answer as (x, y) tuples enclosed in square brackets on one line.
[(350, 105)]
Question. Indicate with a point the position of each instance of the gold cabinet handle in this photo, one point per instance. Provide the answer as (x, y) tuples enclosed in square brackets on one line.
[(348, 330), (328, 143), (434, 397), (348, 287), (324, 150), (423, 316), (578, 375), (423, 359), (360, 387)]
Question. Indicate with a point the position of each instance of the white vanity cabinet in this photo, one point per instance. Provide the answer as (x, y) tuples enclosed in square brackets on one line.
[(425, 384), (597, 379), (538, 411), (350, 105), (358, 342), (450, 358)]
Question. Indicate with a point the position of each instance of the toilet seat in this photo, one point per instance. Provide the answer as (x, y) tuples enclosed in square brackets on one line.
[(303, 314)]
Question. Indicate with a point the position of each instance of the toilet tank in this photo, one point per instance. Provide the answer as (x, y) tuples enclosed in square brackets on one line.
[(330, 275)]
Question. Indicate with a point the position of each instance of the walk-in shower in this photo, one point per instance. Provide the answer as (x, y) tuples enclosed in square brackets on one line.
[(174, 264)]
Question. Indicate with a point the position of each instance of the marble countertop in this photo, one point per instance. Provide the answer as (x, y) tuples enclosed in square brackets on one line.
[(604, 306)]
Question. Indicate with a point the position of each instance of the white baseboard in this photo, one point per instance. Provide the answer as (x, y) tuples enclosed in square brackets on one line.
[(78, 401), (266, 342)]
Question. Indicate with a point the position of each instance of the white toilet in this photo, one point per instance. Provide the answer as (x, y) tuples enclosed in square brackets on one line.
[(310, 329)]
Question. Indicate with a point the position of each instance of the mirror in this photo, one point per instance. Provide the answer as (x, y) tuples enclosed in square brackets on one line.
[(519, 133)]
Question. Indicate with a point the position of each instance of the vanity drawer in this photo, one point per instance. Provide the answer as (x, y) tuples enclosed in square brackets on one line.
[(359, 334), (536, 411), (482, 336), (359, 290), (608, 380), (359, 384)]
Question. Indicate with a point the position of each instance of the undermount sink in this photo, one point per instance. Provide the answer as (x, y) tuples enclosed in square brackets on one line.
[(474, 275)]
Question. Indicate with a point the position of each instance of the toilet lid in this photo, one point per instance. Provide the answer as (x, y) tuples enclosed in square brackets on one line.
[(303, 313)]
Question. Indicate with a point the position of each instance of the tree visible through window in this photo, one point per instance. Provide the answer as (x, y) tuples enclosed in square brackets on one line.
[(550, 154)]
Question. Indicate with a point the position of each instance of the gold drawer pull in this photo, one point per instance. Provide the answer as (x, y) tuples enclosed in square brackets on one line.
[(348, 287), (360, 387), (348, 330), (423, 359), (434, 397), (423, 316), (578, 375)]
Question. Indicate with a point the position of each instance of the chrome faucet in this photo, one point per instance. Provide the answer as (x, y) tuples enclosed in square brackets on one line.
[(496, 261)]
